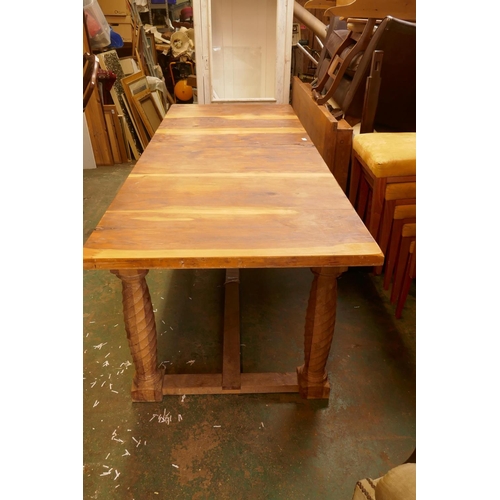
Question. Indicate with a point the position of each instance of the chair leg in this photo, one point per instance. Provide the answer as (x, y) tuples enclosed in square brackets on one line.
[(404, 251), (385, 230), (410, 274), (392, 251), (377, 205), (363, 195), (354, 182)]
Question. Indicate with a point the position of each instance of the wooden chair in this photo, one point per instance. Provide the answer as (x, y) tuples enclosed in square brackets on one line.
[(395, 101), (343, 55), (90, 67)]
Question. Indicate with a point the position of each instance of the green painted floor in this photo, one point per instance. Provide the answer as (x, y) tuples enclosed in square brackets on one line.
[(274, 446)]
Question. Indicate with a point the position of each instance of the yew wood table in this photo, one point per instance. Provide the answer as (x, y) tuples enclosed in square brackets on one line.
[(230, 186)]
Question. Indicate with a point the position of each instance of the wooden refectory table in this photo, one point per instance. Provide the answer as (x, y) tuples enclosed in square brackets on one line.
[(230, 186)]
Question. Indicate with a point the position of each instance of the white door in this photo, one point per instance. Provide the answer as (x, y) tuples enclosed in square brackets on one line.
[(243, 50)]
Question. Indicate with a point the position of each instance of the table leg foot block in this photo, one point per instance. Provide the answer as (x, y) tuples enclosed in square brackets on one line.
[(312, 389), (149, 390)]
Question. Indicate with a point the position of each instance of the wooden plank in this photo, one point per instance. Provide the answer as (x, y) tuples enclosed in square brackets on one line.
[(120, 137), (251, 383), (342, 157), (231, 363), (126, 140), (380, 9), (406, 9), (112, 135), (98, 131), (95, 118)]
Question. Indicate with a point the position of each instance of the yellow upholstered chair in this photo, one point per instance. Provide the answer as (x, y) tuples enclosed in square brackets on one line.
[(383, 168)]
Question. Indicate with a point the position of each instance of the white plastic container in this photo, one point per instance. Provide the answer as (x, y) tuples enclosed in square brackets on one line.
[(97, 26)]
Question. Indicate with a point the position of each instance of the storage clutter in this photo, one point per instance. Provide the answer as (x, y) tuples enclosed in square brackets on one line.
[(97, 25), (131, 92)]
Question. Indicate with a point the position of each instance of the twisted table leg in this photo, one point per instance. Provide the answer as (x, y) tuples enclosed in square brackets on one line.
[(141, 334), (320, 323)]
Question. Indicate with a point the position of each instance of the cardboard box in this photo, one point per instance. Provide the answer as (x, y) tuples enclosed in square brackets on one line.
[(119, 19), (124, 30), (115, 7)]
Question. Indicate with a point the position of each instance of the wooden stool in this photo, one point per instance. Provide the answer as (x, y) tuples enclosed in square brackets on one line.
[(383, 168)]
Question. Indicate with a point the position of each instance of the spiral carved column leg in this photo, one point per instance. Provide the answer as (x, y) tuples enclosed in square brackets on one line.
[(320, 323), (141, 334)]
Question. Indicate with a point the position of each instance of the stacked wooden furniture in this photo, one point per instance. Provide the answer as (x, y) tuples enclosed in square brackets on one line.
[(383, 181), (338, 102), (375, 85), (369, 78)]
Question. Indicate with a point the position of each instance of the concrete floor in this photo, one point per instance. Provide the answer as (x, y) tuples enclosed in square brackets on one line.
[(275, 446)]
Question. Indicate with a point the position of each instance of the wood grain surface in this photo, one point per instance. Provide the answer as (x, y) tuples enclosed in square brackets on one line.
[(230, 186)]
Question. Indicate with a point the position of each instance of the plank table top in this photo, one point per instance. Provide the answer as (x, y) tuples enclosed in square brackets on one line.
[(230, 186)]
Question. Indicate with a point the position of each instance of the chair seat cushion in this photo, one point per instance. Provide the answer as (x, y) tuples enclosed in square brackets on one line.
[(388, 154)]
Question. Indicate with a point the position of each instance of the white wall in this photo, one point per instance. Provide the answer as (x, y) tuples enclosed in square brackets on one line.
[(88, 152)]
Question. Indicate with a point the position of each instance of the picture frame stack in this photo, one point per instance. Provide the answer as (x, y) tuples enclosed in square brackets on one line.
[(140, 105), (139, 95)]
